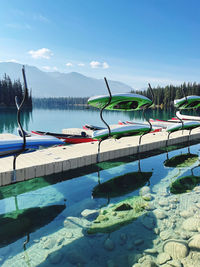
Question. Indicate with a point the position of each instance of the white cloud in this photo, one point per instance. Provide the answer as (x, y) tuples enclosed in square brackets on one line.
[(41, 53), (105, 65), (69, 64), (81, 64), (97, 64)]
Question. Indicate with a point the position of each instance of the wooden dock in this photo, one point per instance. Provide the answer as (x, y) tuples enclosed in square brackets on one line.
[(63, 158)]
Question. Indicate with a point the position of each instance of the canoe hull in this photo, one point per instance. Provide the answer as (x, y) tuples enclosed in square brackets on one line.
[(189, 102), (15, 145), (67, 138), (122, 131), (121, 102)]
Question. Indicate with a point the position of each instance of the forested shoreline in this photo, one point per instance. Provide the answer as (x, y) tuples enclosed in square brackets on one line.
[(163, 97), (59, 102), (9, 90)]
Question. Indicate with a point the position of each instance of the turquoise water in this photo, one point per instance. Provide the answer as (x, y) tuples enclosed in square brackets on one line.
[(57, 212), (57, 119)]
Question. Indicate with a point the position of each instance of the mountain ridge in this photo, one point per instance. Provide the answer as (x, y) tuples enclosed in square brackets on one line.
[(58, 84)]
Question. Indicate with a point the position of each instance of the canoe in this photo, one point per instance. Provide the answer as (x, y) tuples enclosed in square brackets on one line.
[(120, 102), (92, 127), (154, 128), (163, 123), (189, 102), (186, 117), (68, 138), (14, 145), (122, 131), (189, 125)]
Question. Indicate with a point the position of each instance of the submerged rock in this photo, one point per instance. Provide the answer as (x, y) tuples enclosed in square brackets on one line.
[(191, 224), (89, 214), (138, 242), (163, 202), (144, 190), (175, 263), (163, 258), (194, 242), (148, 222), (118, 215), (177, 249), (159, 214), (166, 234), (186, 213), (109, 244)]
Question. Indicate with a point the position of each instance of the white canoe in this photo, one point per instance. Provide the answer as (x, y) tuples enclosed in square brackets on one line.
[(163, 123), (122, 131), (188, 125), (189, 102), (187, 117)]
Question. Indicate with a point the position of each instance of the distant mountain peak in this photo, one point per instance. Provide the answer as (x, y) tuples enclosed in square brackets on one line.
[(57, 84)]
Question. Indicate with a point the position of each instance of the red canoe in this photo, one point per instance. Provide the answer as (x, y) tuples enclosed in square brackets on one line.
[(69, 138)]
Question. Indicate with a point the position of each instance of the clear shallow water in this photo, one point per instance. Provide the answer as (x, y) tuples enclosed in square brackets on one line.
[(52, 210)]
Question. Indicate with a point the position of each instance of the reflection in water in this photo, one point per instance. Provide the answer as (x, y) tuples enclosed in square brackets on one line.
[(56, 119), (121, 185), (14, 225), (182, 160), (152, 113), (185, 183), (8, 119), (129, 226)]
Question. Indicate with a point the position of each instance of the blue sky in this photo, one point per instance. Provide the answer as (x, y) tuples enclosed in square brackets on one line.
[(133, 41)]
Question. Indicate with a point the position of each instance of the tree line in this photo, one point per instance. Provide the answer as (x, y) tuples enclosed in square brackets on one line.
[(163, 97), (9, 90), (59, 102)]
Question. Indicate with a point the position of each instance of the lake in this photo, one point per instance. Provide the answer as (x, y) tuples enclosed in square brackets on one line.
[(58, 119), (124, 212)]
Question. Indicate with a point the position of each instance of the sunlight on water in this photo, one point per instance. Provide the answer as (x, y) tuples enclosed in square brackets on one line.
[(118, 213)]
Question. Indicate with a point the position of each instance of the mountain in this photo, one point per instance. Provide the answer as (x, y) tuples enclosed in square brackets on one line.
[(56, 84)]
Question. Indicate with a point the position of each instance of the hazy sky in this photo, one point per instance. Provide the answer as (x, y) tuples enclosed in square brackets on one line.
[(133, 41)]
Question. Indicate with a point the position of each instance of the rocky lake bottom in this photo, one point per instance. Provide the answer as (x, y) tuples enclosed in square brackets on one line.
[(146, 227)]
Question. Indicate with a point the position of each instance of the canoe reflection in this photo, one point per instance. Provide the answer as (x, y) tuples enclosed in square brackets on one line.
[(185, 183), (121, 185), (17, 224)]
